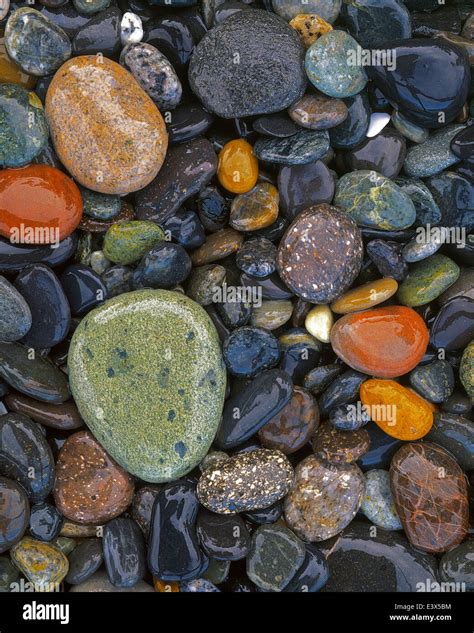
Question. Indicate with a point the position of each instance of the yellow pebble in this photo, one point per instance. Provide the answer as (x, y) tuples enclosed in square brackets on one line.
[(366, 296), (310, 26), (319, 322), (237, 170)]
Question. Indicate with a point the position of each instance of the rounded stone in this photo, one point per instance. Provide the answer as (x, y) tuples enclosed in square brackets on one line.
[(178, 377), (434, 381), (255, 85), (165, 265), (43, 564), (89, 7), (318, 112), (127, 242), (329, 67), (15, 313), (100, 206), (84, 560), (366, 296), (377, 504), (249, 350), (320, 254), (373, 22), (14, 513), (326, 9), (466, 370), (100, 583), (427, 280), (398, 337), (237, 169), (90, 487), (35, 43), (374, 201), (154, 73), (257, 257), (324, 499), (457, 565), (319, 322), (340, 447), (38, 205), (94, 102), (455, 433), (256, 209), (23, 126)]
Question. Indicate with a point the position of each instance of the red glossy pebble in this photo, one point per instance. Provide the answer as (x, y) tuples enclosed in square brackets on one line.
[(384, 342), (39, 204)]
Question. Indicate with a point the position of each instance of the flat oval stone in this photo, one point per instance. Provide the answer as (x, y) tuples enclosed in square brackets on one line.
[(340, 447), (15, 513), (318, 112), (455, 433), (373, 22), (48, 305), (84, 560), (399, 340), (414, 87), (64, 416), (95, 102), (203, 283), (101, 32), (374, 201), (247, 481), (237, 170), (434, 381), (385, 153), (329, 67), (23, 126), (34, 376), (218, 246), (324, 499), (353, 129), (26, 33), (256, 209), (249, 350), (43, 564), (427, 279), (302, 186), (124, 552), (399, 411), (275, 125), (274, 558), (303, 147), (434, 155), (24, 450), (39, 205), (430, 494), (188, 122), (366, 296), (187, 169), (90, 487), (453, 327), (182, 361), (254, 85), (100, 206), (245, 413), (223, 537), (154, 73), (291, 428), (377, 504), (45, 521), (457, 565), (164, 266), (173, 550), (463, 287), (127, 242), (303, 260), (363, 561), (15, 313)]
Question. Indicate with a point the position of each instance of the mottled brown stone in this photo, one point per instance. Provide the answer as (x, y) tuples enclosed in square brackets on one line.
[(340, 447), (318, 112), (64, 416), (294, 425), (256, 209), (90, 487), (320, 254), (430, 494), (324, 499), (106, 130), (217, 246)]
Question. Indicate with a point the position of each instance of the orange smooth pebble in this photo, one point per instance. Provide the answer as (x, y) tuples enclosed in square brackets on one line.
[(164, 586), (237, 170), (366, 296), (39, 204), (398, 411), (383, 342)]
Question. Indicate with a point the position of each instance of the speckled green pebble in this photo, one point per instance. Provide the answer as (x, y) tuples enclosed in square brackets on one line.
[(100, 206), (35, 43), (275, 556), (374, 201), (434, 381), (43, 564), (427, 280), (466, 370), (434, 155), (127, 242), (329, 68), (23, 127), (147, 375), (203, 282), (377, 502)]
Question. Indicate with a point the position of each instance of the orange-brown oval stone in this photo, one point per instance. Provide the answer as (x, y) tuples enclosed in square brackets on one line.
[(106, 130), (384, 342), (366, 296), (398, 411), (39, 204), (238, 168)]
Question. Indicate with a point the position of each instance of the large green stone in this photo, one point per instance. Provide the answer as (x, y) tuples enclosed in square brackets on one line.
[(427, 280), (147, 375)]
